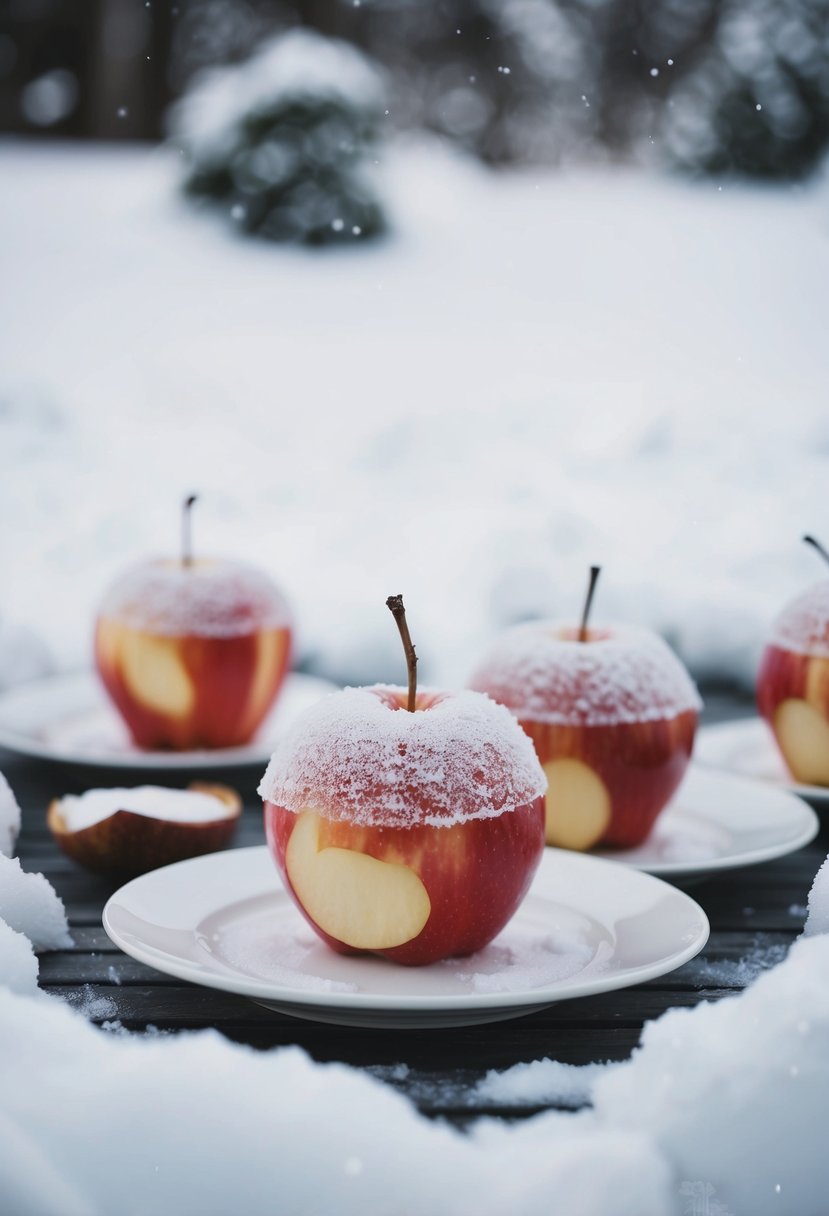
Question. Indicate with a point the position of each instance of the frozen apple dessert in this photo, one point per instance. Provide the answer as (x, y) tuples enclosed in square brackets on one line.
[(404, 823), (612, 713), (793, 682), (130, 831), (193, 652)]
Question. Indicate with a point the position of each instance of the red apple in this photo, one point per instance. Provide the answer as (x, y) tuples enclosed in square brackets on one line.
[(612, 713), (413, 835), (793, 684), (145, 828), (193, 653)]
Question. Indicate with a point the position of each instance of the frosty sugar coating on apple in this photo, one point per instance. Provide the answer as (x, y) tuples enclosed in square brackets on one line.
[(612, 713), (793, 682), (193, 652), (130, 831), (405, 823)]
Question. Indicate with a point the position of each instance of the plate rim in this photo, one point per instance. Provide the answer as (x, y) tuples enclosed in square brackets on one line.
[(702, 867), (22, 744), (753, 723), (605, 981)]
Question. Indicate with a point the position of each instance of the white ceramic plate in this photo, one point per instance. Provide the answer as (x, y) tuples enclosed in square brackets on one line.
[(747, 747), (719, 822), (224, 920), (68, 718)]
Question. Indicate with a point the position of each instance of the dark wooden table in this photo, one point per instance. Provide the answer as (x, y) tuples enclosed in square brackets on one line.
[(755, 913)]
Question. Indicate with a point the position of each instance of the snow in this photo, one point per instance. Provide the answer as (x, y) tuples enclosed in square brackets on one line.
[(536, 372), (803, 625), (156, 802), (358, 754), (29, 904), (9, 817), (297, 65), (205, 598), (540, 1081), (817, 919), (621, 674), (18, 965)]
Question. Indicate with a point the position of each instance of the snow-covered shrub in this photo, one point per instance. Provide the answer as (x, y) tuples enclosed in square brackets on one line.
[(282, 141), (757, 100)]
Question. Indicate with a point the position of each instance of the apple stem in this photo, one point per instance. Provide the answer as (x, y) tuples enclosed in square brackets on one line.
[(810, 540), (595, 571), (395, 605), (186, 530)]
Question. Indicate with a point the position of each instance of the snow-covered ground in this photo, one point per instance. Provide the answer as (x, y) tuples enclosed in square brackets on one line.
[(535, 372)]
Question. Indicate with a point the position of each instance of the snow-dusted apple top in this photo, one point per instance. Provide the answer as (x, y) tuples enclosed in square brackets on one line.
[(803, 625), (153, 801), (207, 599), (358, 755), (623, 674)]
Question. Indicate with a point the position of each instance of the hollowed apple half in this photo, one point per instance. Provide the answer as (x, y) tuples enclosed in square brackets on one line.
[(126, 843), (414, 895)]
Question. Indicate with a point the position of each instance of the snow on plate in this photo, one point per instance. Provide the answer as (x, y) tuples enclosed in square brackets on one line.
[(535, 372)]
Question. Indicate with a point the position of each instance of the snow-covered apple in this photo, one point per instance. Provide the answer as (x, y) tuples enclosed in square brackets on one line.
[(612, 713), (130, 831), (193, 652), (403, 823), (793, 682)]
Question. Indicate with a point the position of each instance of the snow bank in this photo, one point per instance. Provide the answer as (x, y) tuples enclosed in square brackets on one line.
[(734, 1093), (817, 919), (540, 371), (29, 904), (18, 965), (149, 1119), (9, 818)]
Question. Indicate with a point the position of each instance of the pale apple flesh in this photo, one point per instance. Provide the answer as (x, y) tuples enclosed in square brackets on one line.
[(434, 892), (190, 692), (793, 697), (127, 843), (608, 784)]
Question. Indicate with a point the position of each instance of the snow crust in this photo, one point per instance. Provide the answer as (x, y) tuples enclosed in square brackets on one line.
[(206, 599), (18, 964), (357, 755), (9, 818), (30, 905), (155, 801), (625, 674), (292, 67), (803, 625), (817, 918)]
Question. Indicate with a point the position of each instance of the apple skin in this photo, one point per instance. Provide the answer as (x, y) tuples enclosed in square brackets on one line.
[(641, 764), (127, 844), (626, 770), (786, 676), (495, 859), (235, 681)]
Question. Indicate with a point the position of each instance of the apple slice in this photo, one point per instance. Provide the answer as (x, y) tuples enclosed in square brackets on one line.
[(578, 806), (166, 826), (359, 900), (803, 735)]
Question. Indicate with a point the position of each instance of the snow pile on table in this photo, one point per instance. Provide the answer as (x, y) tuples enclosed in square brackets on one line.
[(30, 905), (817, 919), (541, 1081), (536, 372), (9, 817), (18, 965)]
